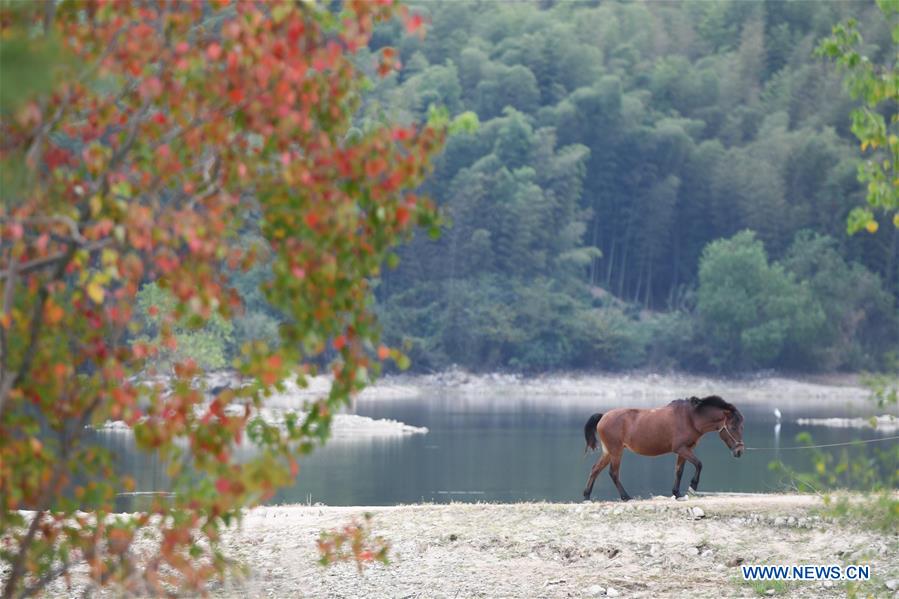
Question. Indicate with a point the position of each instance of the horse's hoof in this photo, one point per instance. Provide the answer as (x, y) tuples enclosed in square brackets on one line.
[(681, 498), (691, 491), (626, 498)]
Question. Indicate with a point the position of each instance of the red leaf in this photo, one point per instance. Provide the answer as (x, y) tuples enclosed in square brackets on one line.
[(223, 485), (414, 23), (150, 88), (401, 134), (375, 167), (214, 51)]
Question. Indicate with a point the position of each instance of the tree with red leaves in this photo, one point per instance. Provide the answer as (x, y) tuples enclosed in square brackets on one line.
[(135, 159)]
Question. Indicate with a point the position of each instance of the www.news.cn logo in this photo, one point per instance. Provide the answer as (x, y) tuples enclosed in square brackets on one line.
[(832, 572)]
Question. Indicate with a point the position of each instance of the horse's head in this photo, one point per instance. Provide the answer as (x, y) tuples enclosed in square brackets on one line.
[(731, 432), (719, 415)]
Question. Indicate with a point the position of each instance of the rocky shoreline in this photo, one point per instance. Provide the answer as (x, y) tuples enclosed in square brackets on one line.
[(344, 427), (642, 549)]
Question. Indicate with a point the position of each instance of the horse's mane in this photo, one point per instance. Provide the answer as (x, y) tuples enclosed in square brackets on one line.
[(712, 401)]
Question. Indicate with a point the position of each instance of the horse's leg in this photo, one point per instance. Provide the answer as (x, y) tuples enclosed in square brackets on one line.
[(687, 454), (678, 473), (613, 472), (597, 468)]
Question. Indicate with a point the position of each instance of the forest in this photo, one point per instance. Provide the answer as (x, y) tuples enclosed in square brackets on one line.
[(652, 184), (649, 185)]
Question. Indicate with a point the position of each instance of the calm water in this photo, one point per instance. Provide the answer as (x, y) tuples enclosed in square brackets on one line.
[(506, 449)]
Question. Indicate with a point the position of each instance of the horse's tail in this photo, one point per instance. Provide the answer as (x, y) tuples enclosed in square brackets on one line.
[(590, 432)]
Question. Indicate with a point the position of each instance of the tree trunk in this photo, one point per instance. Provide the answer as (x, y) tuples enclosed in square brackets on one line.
[(611, 263)]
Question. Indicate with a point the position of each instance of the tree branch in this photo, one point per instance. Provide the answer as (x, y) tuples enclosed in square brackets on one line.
[(68, 221), (47, 261), (8, 288), (37, 322), (44, 580), (19, 562), (43, 505)]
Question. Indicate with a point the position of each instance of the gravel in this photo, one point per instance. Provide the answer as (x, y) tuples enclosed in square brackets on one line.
[(642, 549)]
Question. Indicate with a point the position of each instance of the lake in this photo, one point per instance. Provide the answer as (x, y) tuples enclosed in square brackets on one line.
[(502, 448)]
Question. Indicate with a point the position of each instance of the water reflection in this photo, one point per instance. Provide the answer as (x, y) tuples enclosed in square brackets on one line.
[(505, 449)]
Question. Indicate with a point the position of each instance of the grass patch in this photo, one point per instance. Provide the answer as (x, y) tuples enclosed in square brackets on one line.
[(878, 511), (761, 587)]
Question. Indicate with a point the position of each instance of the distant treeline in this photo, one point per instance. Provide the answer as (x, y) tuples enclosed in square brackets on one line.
[(655, 185), (619, 142)]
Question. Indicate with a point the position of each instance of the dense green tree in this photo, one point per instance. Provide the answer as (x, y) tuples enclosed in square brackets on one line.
[(860, 315), (205, 343), (754, 314)]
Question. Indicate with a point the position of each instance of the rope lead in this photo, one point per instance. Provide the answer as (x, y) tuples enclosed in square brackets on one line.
[(825, 445)]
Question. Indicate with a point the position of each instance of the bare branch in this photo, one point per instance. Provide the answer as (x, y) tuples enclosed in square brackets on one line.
[(49, 13), (54, 218), (8, 289), (19, 562), (48, 261), (46, 579)]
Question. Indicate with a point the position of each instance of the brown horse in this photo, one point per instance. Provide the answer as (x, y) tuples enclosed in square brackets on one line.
[(675, 428)]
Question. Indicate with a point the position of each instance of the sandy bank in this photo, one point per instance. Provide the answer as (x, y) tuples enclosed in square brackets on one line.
[(646, 388), (830, 395), (647, 548), (884, 423), (344, 427)]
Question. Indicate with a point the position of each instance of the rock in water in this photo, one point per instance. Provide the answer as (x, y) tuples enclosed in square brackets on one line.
[(596, 591), (610, 592), (892, 584)]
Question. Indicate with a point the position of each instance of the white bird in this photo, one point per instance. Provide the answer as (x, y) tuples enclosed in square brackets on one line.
[(777, 414)]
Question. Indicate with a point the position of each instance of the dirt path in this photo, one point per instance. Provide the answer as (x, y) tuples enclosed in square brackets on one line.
[(647, 548)]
